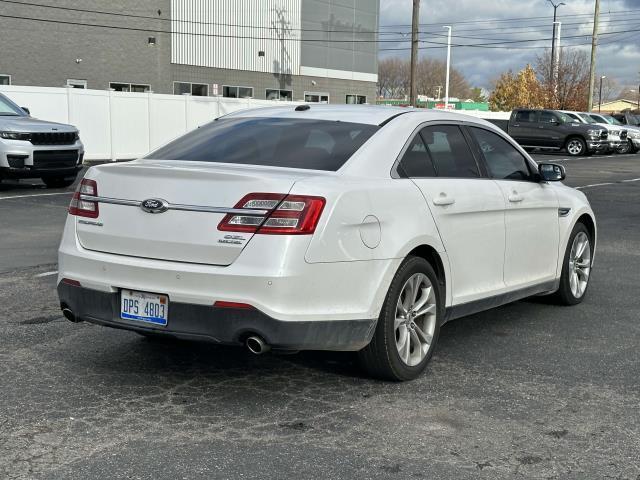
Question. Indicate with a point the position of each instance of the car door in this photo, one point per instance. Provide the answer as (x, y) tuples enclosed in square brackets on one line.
[(467, 207), (549, 130), (523, 127), (531, 218)]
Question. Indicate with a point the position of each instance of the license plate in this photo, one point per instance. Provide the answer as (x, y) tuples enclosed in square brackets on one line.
[(144, 307)]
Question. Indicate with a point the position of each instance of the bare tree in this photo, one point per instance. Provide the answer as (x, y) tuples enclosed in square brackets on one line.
[(393, 78), (432, 73), (572, 86)]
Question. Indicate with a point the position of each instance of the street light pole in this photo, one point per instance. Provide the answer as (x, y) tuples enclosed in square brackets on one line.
[(600, 96), (553, 42), (413, 88), (446, 88)]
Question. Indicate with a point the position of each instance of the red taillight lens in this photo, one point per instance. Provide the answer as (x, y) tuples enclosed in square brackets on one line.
[(81, 206), (233, 305), (286, 214)]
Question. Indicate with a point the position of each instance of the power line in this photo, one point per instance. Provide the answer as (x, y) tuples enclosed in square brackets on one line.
[(353, 31), (497, 44)]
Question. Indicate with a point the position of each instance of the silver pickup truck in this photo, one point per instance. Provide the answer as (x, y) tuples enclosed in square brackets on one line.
[(32, 148)]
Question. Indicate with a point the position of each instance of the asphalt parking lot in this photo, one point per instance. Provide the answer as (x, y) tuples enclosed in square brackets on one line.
[(528, 390)]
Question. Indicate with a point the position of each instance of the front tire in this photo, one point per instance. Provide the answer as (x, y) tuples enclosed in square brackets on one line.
[(58, 182), (576, 147), (408, 326), (576, 268), (625, 148)]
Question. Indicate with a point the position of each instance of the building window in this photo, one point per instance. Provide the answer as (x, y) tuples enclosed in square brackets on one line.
[(316, 97), (276, 94), (237, 92), (5, 79), (72, 82), (129, 87), (195, 89), (356, 99)]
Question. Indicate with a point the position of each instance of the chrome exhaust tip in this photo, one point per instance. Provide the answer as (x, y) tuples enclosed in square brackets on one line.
[(69, 315), (256, 345)]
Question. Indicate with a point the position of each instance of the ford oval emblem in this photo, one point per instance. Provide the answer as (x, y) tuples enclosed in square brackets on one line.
[(154, 205)]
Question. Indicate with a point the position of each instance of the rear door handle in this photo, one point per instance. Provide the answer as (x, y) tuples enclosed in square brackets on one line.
[(515, 197), (442, 200)]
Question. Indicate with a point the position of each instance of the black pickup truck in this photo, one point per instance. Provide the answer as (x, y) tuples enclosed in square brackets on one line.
[(554, 130)]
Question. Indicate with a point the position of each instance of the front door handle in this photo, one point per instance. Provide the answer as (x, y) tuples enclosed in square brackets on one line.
[(515, 197), (443, 200)]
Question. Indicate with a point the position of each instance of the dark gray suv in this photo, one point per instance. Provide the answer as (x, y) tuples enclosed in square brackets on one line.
[(554, 130), (32, 148)]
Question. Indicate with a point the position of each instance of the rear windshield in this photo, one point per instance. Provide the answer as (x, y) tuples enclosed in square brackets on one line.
[(275, 142)]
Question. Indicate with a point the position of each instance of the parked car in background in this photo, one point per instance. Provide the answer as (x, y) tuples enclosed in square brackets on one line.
[(554, 130), (32, 148), (618, 141), (627, 118), (380, 224), (633, 131)]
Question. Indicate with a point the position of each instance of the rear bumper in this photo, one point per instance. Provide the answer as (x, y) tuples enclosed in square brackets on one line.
[(221, 325)]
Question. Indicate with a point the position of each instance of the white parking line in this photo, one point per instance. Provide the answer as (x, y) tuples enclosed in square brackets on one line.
[(35, 195), (594, 185), (632, 180), (46, 274)]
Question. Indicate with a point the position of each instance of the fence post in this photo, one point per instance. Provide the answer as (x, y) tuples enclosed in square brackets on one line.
[(110, 121)]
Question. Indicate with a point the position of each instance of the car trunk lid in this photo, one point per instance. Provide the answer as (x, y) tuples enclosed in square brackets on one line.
[(196, 193)]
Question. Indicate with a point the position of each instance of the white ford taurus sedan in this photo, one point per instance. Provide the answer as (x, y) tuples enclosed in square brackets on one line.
[(348, 228)]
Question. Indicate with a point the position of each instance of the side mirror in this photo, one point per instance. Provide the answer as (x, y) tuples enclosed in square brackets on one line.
[(552, 172), (26, 110)]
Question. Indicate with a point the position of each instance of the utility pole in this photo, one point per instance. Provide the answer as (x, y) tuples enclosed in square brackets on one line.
[(552, 78), (414, 53), (594, 46), (446, 88)]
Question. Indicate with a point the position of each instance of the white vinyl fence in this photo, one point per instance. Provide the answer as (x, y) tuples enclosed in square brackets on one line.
[(122, 125)]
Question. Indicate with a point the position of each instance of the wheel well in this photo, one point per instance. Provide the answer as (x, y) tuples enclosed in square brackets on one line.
[(430, 255), (574, 136), (587, 221)]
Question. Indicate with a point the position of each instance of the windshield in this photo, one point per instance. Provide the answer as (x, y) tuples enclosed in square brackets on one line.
[(9, 109), (587, 118), (611, 120), (275, 142), (634, 120)]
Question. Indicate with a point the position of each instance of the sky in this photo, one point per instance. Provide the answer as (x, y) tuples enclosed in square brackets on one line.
[(618, 54)]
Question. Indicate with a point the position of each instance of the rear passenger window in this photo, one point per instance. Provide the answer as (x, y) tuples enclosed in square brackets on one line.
[(449, 152), (503, 160), (526, 116), (416, 162)]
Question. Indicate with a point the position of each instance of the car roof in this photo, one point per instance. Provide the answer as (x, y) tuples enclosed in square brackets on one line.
[(367, 114)]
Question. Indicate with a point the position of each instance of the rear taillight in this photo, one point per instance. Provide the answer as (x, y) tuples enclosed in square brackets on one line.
[(80, 205), (285, 214)]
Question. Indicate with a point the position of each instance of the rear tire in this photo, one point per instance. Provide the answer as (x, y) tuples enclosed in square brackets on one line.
[(576, 267), (409, 324), (576, 147), (58, 182)]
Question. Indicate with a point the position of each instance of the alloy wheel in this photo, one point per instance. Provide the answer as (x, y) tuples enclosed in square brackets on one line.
[(574, 147), (415, 320), (579, 264)]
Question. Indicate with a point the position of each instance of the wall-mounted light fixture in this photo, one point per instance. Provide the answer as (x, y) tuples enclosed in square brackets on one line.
[(152, 41)]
